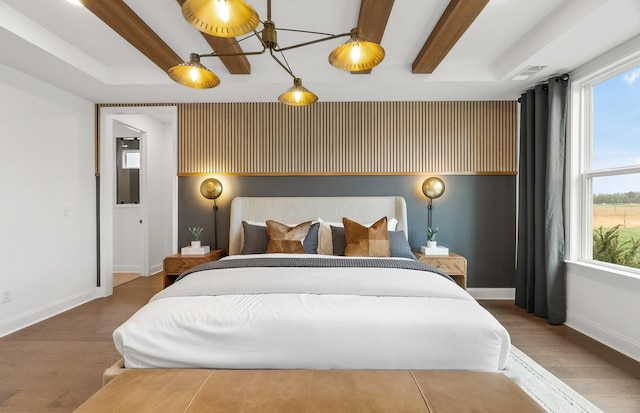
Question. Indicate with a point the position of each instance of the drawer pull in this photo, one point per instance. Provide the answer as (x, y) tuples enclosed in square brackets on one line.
[(443, 267)]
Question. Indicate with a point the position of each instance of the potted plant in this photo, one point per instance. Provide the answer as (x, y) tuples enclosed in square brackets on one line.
[(195, 232), (431, 237)]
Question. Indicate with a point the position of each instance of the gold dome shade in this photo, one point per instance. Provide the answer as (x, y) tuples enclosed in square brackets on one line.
[(357, 54), (433, 187), (193, 74), (298, 95), (211, 188), (221, 18)]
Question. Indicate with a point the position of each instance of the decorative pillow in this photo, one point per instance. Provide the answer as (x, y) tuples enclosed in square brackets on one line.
[(325, 243), (399, 246), (365, 241), (256, 238), (338, 239), (310, 242), (283, 238)]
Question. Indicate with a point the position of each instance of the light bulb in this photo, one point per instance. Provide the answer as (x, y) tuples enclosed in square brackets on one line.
[(222, 10), (193, 73), (355, 53), (297, 95)]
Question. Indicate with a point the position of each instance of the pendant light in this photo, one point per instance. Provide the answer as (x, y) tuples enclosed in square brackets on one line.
[(297, 95), (193, 74), (357, 54), (221, 18)]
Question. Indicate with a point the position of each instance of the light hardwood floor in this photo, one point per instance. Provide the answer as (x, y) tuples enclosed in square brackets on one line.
[(120, 278), (57, 364)]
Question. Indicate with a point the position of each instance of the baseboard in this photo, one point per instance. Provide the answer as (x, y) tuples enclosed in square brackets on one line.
[(492, 293), (622, 344), (36, 315), (155, 269)]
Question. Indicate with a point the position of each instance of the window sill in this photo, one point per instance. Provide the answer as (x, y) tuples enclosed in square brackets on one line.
[(605, 274)]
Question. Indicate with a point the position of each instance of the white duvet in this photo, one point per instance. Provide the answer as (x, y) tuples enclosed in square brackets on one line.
[(313, 318)]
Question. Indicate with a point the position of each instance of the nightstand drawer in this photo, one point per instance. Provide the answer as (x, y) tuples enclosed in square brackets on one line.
[(453, 265), (176, 264), (181, 265), (448, 265)]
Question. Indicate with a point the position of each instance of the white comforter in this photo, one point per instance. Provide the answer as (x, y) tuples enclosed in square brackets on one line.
[(313, 318)]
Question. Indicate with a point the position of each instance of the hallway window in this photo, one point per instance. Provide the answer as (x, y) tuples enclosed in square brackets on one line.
[(128, 170)]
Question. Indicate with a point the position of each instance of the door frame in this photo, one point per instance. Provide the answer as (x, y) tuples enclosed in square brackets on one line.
[(106, 156)]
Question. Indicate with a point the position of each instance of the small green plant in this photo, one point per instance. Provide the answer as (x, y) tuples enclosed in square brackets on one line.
[(195, 232), (431, 234), (608, 248)]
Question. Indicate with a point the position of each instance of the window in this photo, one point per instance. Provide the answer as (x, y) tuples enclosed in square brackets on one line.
[(610, 175), (131, 159), (128, 170)]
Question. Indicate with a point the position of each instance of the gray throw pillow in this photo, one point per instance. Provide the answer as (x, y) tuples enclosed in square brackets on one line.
[(256, 239), (400, 246)]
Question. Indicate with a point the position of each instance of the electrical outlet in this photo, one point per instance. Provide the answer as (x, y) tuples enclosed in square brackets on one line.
[(6, 296)]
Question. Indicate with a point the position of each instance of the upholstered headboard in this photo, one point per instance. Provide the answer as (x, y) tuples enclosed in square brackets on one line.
[(291, 210)]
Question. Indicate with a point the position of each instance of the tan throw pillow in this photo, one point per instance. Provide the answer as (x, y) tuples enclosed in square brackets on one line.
[(365, 241), (283, 238)]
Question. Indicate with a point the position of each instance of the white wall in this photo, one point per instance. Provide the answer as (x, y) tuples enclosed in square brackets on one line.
[(46, 168), (604, 306)]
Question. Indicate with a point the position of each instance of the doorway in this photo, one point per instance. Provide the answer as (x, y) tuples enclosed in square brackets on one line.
[(136, 233)]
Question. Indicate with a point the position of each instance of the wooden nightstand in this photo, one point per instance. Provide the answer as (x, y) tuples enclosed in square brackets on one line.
[(176, 264), (453, 265)]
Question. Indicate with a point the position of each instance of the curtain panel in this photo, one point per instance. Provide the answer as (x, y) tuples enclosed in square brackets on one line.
[(540, 270)]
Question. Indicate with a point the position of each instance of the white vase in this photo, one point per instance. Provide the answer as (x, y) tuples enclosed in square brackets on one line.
[(432, 244), (195, 244)]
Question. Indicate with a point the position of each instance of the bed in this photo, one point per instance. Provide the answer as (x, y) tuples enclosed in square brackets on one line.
[(302, 310)]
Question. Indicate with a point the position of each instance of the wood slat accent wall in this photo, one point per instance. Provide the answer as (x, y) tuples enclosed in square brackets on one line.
[(339, 138), (347, 138)]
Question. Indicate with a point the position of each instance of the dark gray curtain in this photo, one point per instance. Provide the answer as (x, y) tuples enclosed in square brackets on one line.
[(540, 271)]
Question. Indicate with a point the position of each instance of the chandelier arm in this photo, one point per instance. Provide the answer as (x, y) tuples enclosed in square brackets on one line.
[(334, 36), (255, 33), (223, 54), (282, 65), (305, 31)]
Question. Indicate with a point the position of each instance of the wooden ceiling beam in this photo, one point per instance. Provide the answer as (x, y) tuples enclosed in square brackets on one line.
[(455, 20), (124, 21), (236, 65), (372, 21)]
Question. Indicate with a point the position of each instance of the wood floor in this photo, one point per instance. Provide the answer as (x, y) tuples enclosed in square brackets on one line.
[(57, 364), (605, 377)]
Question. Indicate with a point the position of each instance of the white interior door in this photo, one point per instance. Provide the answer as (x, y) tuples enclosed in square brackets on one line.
[(130, 252)]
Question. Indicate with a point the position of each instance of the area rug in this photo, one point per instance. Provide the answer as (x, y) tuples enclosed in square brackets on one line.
[(550, 392)]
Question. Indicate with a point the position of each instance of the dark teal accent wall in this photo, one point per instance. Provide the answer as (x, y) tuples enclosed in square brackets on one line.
[(476, 214)]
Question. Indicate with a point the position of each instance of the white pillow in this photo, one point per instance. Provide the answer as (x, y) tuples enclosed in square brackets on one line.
[(325, 240)]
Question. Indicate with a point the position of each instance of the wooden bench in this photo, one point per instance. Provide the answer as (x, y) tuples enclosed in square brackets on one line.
[(265, 391)]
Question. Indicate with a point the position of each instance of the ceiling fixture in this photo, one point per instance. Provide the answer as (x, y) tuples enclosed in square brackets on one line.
[(231, 18), (527, 72)]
